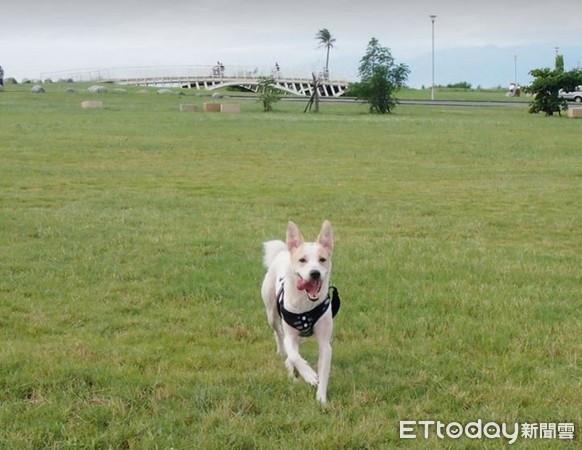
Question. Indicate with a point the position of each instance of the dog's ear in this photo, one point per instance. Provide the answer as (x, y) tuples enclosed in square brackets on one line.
[(325, 237), (294, 237)]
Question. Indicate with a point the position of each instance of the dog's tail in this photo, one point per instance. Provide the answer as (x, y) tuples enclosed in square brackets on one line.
[(272, 249)]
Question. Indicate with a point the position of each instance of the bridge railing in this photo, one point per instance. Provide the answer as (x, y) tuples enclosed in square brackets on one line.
[(218, 71)]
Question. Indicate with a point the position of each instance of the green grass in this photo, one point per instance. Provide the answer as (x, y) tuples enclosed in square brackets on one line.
[(130, 238), (479, 94)]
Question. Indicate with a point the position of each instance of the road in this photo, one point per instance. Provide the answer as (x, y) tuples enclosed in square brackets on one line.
[(402, 102)]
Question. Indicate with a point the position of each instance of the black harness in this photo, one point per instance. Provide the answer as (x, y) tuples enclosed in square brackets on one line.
[(305, 321)]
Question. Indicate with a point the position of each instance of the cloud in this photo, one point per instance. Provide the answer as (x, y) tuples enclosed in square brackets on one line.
[(69, 34)]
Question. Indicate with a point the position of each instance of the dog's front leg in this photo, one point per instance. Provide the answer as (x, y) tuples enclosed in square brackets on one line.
[(323, 332), (294, 360), (275, 323)]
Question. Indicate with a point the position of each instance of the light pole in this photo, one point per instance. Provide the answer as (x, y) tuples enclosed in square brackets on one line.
[(432, 18), (515, 70)]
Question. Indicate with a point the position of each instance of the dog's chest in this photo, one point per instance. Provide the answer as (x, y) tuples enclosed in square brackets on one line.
[(303, 322)]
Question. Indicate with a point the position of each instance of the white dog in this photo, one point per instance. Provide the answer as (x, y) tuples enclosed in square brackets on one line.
[(295, 292)]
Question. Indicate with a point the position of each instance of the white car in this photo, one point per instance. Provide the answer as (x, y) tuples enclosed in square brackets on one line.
[(575, 96)]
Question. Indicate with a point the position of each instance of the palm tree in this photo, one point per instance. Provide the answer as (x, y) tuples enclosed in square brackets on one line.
[(326, 40)]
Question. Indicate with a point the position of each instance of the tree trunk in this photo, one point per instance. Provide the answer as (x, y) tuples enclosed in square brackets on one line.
[(316, 92)]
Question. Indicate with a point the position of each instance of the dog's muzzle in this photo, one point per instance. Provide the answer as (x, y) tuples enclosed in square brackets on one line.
[(312, 286)]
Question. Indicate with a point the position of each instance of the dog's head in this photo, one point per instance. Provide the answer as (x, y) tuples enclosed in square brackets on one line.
[(311, 261)]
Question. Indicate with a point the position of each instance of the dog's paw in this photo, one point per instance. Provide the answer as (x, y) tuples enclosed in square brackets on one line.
[(311, 378), (321, 398)]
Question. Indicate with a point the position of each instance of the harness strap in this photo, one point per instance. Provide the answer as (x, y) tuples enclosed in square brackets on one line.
[(304, 322)]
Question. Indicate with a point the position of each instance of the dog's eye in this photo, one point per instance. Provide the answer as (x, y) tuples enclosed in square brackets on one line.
[(322, 260), (302, 260)]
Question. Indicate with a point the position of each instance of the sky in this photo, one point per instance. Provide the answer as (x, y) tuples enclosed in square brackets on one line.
[(485, 43)]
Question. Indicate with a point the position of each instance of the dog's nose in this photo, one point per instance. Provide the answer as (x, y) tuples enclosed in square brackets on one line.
[(315, 274)]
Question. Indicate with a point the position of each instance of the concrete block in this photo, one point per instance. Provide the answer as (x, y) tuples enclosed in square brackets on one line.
[(575, 112), (187, 107), (92, 104), (230, 108), (211, 107), (97, 89)]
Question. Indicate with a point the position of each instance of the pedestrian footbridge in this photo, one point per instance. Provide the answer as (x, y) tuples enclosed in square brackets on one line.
[(218, 76)]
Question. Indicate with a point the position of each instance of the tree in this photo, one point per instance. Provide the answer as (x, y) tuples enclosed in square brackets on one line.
[(314, 100), (546, 87), (380, 78), (326, 40), (559, 64), (268, 95)]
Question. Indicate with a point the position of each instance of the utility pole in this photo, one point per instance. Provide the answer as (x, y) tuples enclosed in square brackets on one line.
[(432, 18)]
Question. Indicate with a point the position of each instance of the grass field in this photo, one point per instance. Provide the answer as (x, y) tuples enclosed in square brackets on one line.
[(442, 93), (130, 238)]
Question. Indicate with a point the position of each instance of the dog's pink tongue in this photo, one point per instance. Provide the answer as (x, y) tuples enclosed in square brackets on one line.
[(312, 287), (302, 284)]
